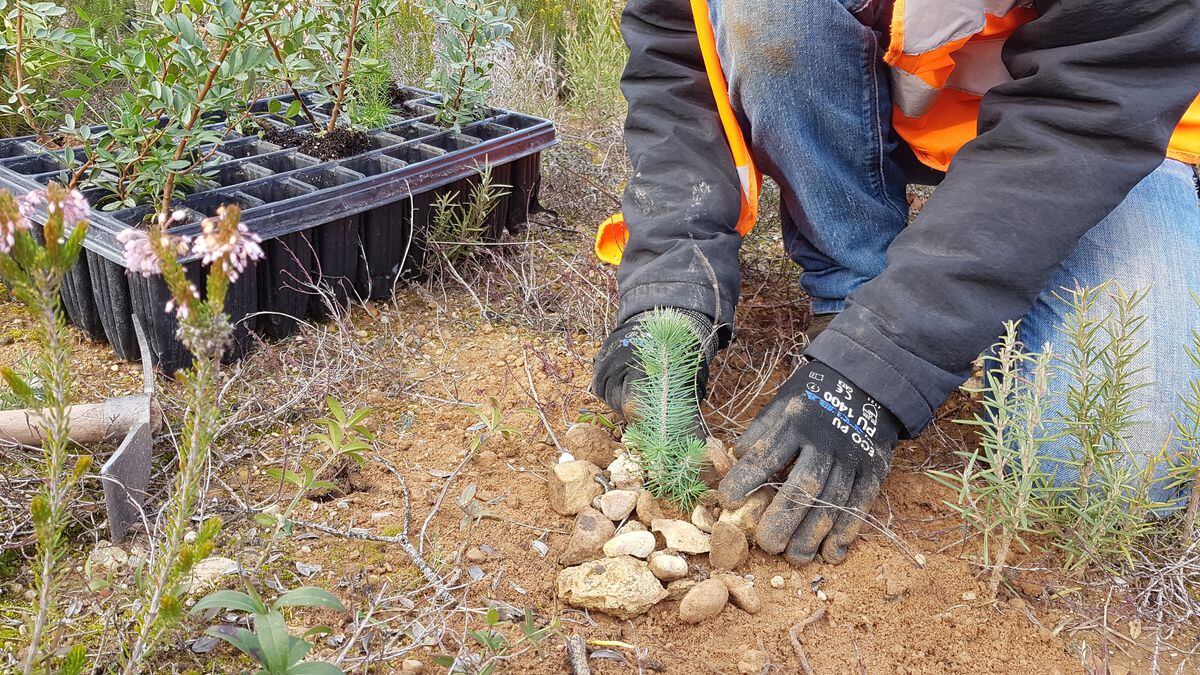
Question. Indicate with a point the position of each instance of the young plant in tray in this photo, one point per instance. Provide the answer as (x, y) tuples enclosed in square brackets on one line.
[(38, 46), (663, 433), (338, 58), (471, 34), (188, 65)]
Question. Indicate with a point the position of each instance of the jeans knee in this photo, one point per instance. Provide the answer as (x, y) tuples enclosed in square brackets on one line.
[(770, 38)]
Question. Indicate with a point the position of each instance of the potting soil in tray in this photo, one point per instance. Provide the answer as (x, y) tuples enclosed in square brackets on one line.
[(352, 225)]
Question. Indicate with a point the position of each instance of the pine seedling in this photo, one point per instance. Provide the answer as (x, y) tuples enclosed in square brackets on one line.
[(1003, 492), (662, 433)]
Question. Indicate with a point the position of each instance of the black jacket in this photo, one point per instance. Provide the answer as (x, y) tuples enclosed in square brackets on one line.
[(1099, 86)]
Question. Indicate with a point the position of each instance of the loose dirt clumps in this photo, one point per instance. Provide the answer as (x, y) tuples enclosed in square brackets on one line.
[(339, 143)]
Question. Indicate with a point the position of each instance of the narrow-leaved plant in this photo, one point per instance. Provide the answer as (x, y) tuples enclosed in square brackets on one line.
[(226, 247), (1004, 493), (34, 264)]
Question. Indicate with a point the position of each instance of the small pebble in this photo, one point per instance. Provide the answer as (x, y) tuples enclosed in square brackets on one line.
[(776, 581)]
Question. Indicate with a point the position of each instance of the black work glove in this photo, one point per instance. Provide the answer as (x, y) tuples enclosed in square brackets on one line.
[(615, 367), (841, 441)]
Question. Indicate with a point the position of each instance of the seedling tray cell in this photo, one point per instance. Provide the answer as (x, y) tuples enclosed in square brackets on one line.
[(353, 225)]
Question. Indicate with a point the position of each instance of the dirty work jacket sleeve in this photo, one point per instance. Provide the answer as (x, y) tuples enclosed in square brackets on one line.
[(1098, 87), (682, 204)]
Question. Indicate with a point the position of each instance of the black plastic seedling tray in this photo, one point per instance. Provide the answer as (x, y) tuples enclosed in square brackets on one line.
[(356, 224)]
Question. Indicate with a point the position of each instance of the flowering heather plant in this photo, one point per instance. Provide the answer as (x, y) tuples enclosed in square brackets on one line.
[(226, 242), (34, 271), (226, 247)]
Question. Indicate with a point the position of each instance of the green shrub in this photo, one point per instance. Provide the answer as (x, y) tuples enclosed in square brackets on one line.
[(593, 58)]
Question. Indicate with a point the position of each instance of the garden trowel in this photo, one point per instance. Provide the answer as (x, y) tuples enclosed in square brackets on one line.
[(132, 419)]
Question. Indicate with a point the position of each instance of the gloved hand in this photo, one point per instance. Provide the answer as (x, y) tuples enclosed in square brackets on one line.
[(615, 367), (841, 441)]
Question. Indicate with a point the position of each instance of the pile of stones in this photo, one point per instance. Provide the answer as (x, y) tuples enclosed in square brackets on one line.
[(628, 553)]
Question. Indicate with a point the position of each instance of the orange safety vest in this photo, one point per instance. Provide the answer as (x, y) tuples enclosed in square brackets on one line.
[(942, 57)]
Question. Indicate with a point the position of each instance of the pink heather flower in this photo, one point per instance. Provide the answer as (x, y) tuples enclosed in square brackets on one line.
[(183, 309), (29, 202), (139, 254), (75, 208), (12, 221), (9, 227), (226, 240), (71, 204)]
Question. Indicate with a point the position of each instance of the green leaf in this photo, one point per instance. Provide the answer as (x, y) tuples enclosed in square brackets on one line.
[(314, 668), (287, 475), (297, 648), (272, 634), (242, 639), (234, 600), (309, 596), (318, 630), (266, 519), (19, 386)]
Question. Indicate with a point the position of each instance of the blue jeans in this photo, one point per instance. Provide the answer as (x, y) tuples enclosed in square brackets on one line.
[(810, 87)]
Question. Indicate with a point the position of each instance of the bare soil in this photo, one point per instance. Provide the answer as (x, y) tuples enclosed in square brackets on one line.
[(426, 361), (340, 143)]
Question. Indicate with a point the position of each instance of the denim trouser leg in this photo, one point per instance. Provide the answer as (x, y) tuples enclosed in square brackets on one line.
[(810, 86), (1150, 243)]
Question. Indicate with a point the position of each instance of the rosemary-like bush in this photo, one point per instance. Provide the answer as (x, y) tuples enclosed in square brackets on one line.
[(1082, 399), (458, 222), (665, 409)]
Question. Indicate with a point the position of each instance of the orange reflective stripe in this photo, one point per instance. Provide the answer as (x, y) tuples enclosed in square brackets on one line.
[(939, 76), (612, 234), (1185, 143), (748, 174)]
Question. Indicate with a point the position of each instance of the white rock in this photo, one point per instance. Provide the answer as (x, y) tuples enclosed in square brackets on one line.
[(623, 587), (777, 581), (681, 536), (209, 571), (618, 504), (705, 601), (632, 526), (703, 518), (668, 567), (573, 486), (105, 557), (747, 517), (625, 473), (636, 544)]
